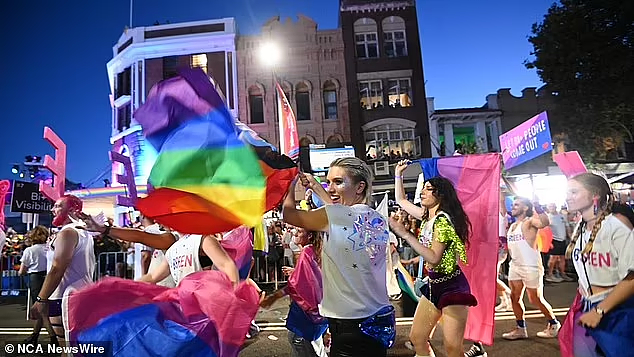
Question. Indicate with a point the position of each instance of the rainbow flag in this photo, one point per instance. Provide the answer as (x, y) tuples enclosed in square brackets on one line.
[(477, 182), (406, 282), (207, 177), (238, 243), (204, 316)]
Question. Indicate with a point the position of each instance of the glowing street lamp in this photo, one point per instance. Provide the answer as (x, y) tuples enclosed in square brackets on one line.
[(270, 54)]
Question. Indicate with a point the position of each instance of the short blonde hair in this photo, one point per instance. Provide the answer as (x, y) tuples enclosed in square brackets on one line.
[(359, 171), (39, 235)]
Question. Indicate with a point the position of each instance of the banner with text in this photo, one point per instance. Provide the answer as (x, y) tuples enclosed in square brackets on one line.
[(27, 198), (526, 141)]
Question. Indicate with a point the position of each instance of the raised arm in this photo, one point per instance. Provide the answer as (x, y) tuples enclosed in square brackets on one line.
[(212, 248), (314, 220), (539, 219), (399, 191), (157, 274)]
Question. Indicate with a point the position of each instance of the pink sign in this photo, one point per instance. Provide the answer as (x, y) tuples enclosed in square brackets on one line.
[(126, 179), (570, 163), (5, 185), (57, 166)]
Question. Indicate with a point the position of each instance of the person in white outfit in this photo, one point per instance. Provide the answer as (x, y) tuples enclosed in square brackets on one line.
[(504, 292), (525, 270), (34, 264), (71, 264)]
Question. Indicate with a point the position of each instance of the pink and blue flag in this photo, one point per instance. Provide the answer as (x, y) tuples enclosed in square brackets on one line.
[(238, 243), (204, 316), (476, 179)]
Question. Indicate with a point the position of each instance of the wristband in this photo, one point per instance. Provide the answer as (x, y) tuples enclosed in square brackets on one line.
[(398, 177), (39, 299)]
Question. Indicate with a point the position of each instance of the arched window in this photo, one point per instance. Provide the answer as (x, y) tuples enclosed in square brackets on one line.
[(256, 105), (306, 140), (330, 100), (394, 42), (302, 99), (334, 139), (365, 37)]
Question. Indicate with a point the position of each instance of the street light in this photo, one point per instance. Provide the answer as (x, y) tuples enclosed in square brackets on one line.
[(270, 54), (15, 169)]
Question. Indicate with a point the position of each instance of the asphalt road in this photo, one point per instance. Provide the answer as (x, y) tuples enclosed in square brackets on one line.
[(273, 341)]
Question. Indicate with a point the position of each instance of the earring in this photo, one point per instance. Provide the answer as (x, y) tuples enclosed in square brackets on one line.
[(595, 203)]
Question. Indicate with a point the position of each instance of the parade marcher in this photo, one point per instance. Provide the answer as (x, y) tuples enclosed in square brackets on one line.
[(71, 264), (443, 237), (34, 264), (304, 323), (557, 262), (526, 271), (601, 321), (355, 301), (504, 292)]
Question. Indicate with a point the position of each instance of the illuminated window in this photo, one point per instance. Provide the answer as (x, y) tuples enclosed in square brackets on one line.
[(399, 92), (391, 142), (371, 94), (199, 61)]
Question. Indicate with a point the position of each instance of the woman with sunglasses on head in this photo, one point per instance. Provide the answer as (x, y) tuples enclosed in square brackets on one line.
[(353, 259), (442, 240), (602, 251)]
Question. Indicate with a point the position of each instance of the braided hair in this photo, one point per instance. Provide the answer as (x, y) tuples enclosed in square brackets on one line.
[(597, 186)]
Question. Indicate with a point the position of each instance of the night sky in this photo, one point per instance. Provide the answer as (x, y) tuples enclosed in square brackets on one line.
[(54, 56)]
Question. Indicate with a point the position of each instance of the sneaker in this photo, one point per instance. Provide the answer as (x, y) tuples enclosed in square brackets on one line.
[(551, 331), (409, 345), (567, 277), (254, 330), (518, 334), (476, 350), (503, 306), (396, 297), (553, 279), (32, 339)]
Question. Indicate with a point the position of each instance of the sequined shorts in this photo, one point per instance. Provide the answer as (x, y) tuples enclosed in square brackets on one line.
[(454, 290)]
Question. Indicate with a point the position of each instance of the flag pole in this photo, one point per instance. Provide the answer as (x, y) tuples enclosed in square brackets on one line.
[(131, 8)]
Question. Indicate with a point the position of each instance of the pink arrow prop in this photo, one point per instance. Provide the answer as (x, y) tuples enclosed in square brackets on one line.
[(57, 166), (126, 179), (4, 189), (570, 163)]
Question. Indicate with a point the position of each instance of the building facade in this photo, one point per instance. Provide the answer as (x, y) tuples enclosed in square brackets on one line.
[(386, 87), (309, 68), (143, 56)]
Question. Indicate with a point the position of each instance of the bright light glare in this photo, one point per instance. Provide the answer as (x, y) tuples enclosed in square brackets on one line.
[(548, 189), (270, 54)]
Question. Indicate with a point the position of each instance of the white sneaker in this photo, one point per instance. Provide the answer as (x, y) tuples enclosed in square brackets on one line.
[(518, 334), (551, 331), (553, 279), (503, 306)]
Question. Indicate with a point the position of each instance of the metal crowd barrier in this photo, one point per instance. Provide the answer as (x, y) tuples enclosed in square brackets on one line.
[(113, 264), (12, 284)]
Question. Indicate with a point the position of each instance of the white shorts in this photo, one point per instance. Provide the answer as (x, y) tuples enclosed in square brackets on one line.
[(532, 277)]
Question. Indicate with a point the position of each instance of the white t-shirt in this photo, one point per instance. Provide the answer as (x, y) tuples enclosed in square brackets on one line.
[(34, 258), (3, 240), (139, 248), (611, 258), (182, 257), (158, 256), (82, 266), (558, 226), (354, 262)]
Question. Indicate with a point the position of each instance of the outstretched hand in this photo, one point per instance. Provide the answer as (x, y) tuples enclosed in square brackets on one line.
[(91, 224), (397, 227)]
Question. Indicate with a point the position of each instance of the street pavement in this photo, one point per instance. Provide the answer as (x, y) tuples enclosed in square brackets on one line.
[(273, 340)]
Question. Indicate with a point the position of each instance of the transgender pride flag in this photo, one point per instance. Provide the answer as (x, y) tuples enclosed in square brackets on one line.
[(477, 182)]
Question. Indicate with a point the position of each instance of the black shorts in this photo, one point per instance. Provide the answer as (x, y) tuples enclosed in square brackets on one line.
[(559, 248), (36, 280), (55, 308)]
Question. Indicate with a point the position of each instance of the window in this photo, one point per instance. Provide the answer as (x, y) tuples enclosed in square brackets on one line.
[(330, 100), (124, 117), (199, 61), (302, 99), (170, 67), (256, 105), (371, 94), (366, 39), (394, 44), (399, 93), (367, 45), (124, 83), (391, 142)]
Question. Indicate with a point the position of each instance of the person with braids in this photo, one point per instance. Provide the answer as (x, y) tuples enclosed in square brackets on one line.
[(602, 251), (526, 271), (441, 243)]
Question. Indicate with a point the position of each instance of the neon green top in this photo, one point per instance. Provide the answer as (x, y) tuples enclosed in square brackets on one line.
[(445, 233)]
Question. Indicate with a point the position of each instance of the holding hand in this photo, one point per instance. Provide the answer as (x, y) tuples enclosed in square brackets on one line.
[(38, 310), (287, 271), (401, 166)]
